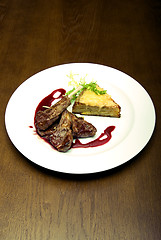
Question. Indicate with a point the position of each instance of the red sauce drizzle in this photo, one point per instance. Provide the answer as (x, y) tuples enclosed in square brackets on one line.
[(47, 101), (101, 140)]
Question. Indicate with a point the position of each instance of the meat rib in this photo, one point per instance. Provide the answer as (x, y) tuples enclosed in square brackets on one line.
[(58, 126), (82, 128), (44, 119), (62, 137)]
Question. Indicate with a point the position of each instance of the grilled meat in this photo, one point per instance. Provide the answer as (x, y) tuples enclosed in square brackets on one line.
[(44, 119), (82, 128), (59, 127), (61, 133), (46, 133), (62, 137)]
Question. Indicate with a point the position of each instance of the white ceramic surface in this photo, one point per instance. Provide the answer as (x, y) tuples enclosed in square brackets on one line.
[(133, 129)]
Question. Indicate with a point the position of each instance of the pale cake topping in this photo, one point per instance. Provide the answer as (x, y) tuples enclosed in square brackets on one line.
[(91, 98), (90, 103)]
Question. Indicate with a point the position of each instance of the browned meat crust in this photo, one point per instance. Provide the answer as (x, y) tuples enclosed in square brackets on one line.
[(58, 126), (44, 119), (62, 137), (82, 128)]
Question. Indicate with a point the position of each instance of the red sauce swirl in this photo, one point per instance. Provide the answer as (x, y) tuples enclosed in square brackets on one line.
[(101, 140)]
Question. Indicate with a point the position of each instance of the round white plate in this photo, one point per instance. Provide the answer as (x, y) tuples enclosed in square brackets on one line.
[(133, 129)]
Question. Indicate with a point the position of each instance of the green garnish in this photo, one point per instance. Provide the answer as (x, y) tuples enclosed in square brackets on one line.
[(92, 86)]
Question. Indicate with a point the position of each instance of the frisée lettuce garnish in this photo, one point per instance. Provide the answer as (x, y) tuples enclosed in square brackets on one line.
[(92, 86)]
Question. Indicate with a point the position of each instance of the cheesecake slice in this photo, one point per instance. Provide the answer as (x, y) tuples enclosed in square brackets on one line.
[(90, 103)]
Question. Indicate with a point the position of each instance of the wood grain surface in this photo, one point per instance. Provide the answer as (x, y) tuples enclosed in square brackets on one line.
[(120, 204)]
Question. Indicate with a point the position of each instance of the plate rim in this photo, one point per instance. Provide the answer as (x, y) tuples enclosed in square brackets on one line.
[(92, 171)]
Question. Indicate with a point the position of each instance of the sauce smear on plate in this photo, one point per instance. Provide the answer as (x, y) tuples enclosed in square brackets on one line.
[(47, 101), (101, 140)]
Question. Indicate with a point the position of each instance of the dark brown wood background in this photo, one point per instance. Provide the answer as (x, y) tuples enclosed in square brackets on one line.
[(121, 204)]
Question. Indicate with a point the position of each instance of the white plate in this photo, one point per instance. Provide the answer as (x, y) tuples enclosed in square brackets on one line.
[(133, 130)]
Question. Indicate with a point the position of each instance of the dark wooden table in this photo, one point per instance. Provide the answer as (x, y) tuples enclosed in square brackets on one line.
[(120, 204)]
